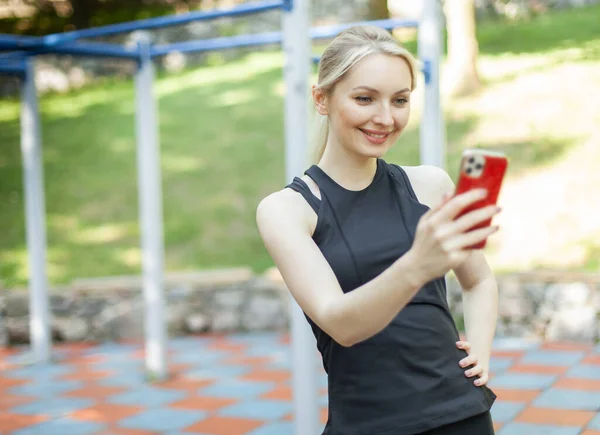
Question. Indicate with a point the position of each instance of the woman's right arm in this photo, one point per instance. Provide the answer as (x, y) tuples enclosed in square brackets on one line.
[(355, 316)]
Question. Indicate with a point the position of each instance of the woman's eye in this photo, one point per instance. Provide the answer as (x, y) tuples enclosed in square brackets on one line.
[(363, 99), (401, 101)]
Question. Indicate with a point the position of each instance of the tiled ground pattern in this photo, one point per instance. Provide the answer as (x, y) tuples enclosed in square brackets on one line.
[(240, 385)]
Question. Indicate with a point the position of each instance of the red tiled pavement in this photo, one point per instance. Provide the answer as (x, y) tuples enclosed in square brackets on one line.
[(225, 426), (262, 372)]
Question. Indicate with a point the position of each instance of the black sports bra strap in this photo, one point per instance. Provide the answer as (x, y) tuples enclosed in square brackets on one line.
[(403, 178), (302, 188)]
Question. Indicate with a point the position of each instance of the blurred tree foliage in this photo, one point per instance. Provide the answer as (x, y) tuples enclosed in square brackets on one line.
[(378, 9), (41, 17)]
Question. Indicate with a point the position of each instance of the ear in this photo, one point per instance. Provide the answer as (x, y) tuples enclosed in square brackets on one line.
[(320, 100)]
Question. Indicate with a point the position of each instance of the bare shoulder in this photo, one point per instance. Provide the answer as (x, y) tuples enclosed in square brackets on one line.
[(430, 183), (284, 210), (282, 203)]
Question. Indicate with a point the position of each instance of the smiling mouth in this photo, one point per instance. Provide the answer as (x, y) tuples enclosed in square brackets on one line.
[(375, 135)]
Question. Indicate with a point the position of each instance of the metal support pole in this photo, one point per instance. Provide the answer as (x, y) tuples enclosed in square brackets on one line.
[(33, 180), (433, 148), (151, 220), (296, 46)]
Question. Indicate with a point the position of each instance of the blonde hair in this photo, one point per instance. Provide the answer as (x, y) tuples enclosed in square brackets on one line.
[(345, 51)]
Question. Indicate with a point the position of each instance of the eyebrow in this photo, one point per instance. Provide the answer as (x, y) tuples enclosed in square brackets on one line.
[(376, 91)]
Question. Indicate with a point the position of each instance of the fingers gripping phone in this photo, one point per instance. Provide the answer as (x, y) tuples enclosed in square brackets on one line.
[(481, 169)]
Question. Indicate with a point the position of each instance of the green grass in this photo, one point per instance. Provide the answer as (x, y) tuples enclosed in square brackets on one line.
[(221, 132)]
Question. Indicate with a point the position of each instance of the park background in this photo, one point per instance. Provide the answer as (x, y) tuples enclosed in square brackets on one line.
[(518, 76)]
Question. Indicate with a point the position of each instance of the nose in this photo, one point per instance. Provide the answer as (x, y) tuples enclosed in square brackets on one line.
[(383, 116)]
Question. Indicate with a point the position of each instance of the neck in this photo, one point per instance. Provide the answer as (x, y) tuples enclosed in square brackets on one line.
[(351, 171)]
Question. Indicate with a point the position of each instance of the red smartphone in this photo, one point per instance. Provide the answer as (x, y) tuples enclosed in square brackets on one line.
[(481, 169)]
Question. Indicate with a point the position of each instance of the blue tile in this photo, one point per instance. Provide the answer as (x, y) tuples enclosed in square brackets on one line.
[(203, 357), (506, 411), (286, 428), (237, 389), (218, 372), (53, 408), (134, 379), (39, 372), (279, 364), (112, 348), (552, 358), (125, 365), (46, 389), (63, 426), (256, 337), (148, 396), (258, 409), (514, 343), (113, 358), (163, 420), (189, 343), (523, 381), (585, 371), (595, 423), (537, 429), (569, 399), (268, 351), (25, 357), (184, 433), (499, 365)]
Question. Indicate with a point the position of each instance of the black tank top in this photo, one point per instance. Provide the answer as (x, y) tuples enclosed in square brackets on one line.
[(405, 379)]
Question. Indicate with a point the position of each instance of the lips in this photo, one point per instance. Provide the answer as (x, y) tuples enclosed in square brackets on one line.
[(375, 136)]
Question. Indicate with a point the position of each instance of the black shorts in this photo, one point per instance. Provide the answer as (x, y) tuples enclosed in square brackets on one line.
[(480, 424)]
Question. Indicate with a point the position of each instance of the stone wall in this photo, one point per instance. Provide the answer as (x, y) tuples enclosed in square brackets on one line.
[(554, 306)]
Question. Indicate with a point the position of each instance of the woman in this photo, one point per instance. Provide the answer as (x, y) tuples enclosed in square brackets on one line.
[(364, 246)]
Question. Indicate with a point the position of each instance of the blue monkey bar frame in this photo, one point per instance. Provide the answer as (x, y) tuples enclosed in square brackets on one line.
[(18, 59)]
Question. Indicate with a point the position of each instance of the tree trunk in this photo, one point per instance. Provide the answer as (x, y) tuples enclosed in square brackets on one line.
[(461, 75), (378, 10)]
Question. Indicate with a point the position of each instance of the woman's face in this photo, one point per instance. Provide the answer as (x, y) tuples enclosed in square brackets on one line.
[(370, 107)]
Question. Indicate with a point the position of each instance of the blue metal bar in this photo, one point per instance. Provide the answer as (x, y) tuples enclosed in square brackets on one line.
[(152, 23), (12, 42), (13, 55), (13, 63), (16, 70), (92, 49), (34, 45), (268, 37)]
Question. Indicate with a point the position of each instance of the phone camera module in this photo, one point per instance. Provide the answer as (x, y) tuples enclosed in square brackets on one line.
[(473, 166)]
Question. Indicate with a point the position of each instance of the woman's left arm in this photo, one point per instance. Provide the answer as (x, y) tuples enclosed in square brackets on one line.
[(432, 186), (480, 305)]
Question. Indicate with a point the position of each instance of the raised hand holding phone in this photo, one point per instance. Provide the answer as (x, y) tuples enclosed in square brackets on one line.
[(481, 169)]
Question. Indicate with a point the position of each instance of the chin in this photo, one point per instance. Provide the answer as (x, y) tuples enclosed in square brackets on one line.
[(374, 151)]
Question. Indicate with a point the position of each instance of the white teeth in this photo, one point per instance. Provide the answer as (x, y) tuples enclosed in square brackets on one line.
[(378, 136)]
